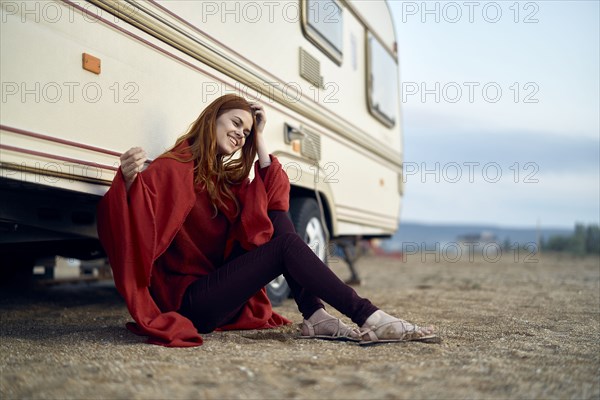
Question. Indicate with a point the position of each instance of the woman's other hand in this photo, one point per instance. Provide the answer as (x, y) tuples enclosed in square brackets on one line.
[(132, 162)]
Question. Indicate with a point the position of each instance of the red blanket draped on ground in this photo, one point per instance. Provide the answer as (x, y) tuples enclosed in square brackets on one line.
[(135, 228)]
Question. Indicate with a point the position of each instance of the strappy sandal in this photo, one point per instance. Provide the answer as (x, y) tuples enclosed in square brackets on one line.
[(370, 337), (341, 332)]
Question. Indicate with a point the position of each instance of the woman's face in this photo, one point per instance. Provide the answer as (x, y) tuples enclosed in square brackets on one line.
[(233, 127)]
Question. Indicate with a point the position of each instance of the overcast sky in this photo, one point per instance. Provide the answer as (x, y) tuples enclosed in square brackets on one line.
[(500, 108)]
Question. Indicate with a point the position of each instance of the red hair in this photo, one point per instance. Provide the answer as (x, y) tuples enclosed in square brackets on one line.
[(216, 172)]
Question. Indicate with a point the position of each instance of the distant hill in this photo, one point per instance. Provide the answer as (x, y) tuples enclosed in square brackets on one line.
[(409, 232)]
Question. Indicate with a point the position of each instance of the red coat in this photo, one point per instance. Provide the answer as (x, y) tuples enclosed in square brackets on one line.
[(137, 228)]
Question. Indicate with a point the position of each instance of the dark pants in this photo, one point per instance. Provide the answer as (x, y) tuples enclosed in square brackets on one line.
[(215, 299)]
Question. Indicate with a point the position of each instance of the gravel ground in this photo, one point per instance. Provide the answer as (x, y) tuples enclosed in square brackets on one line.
[(510, 330)]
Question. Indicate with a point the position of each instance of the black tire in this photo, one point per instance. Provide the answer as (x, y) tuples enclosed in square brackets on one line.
[(307, 222), (306, 218)]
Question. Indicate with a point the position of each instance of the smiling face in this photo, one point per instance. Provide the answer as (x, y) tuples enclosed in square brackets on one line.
[(232, 129)]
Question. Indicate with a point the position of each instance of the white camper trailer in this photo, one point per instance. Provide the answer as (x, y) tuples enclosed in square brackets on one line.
[(83, 81)]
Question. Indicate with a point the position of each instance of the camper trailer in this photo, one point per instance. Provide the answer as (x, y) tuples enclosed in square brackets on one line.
[(83, 81)]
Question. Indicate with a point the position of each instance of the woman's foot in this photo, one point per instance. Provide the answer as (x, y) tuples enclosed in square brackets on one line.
[(322, 325), (381, 327)]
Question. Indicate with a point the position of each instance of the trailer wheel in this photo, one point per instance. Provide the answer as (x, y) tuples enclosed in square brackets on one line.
[(306, 218)]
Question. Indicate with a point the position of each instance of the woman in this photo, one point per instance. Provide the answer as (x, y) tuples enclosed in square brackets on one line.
[(192, 242)]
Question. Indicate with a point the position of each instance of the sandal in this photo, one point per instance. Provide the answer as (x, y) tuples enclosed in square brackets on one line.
[(340, 331), (369, 337)]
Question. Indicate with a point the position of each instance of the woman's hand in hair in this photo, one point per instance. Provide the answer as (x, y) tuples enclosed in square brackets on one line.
[(261, 120), (132, 162), (260, 117)]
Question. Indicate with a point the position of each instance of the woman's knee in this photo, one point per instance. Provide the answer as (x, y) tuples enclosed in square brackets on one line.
[(292, 243), (286, 240)]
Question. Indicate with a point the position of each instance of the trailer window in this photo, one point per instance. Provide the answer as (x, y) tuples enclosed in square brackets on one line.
[(322, 23), (382, 82)]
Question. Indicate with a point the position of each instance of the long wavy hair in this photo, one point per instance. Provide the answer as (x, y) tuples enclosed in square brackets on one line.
[(216, 172)]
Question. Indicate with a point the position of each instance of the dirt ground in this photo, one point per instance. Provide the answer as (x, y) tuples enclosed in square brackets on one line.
[(510, 330)]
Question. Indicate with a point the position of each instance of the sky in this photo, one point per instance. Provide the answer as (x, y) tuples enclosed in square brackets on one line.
[(500, 105)]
